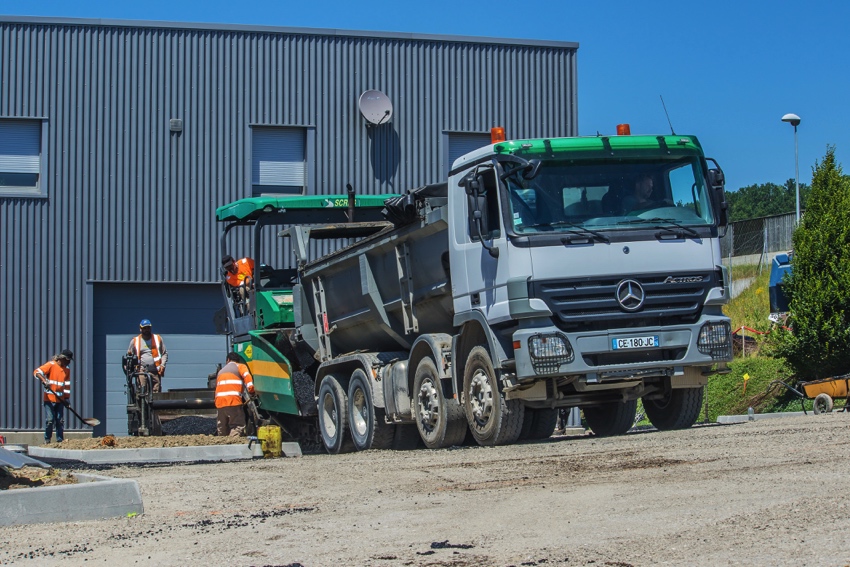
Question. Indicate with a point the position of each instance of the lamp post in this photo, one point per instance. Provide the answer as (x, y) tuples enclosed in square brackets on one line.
[(794, 121)]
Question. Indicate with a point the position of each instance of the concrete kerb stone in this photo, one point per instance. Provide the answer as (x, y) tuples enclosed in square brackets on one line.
[(92, 498), (728, 419), (206, 453)]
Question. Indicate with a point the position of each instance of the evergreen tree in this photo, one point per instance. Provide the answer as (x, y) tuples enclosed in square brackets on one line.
[(818, 287)]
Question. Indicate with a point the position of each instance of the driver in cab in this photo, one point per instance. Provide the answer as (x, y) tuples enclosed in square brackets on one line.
[(641, 198)]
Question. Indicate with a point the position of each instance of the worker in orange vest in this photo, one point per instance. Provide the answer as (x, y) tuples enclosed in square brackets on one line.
[(232, 379), (149, 349), (55, 376), (240, 275)]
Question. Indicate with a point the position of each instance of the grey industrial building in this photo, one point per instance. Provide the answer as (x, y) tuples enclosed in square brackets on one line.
[(118, 140)]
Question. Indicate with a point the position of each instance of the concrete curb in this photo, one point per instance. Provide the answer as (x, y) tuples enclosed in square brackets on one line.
[(93, 498), (727, 419), (149, 455)]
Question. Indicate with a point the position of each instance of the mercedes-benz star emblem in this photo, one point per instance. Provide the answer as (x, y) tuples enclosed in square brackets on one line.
[(630, 295)]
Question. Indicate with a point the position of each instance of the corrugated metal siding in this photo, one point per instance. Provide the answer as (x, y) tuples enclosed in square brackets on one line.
[(128, 200)]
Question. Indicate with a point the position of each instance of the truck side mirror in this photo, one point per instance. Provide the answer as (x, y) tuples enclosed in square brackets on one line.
[(717, 181), (476, 192)]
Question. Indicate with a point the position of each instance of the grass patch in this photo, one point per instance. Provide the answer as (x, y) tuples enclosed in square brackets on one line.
[(730, 394), (752, 306)]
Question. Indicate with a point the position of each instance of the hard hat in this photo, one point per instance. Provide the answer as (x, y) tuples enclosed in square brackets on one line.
[(144, 323), (67, 354)]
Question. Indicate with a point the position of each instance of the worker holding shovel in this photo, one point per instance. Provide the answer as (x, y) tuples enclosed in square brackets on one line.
[(56, 378)]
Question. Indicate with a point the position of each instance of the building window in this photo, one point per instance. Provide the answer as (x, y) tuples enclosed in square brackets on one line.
[(461, 143), (278, 161), (20, 157)]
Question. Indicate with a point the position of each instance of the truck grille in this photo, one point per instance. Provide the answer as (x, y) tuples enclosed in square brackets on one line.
[(590, 304)]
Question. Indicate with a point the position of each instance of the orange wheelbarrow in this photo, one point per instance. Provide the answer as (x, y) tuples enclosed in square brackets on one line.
[(823, 392)]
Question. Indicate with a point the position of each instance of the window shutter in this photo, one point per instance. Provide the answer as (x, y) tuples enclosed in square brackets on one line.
[(20, 146), (278, 158), (460, 144)]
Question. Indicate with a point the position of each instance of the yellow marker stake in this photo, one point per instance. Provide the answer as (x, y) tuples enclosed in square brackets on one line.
[(746, 377)]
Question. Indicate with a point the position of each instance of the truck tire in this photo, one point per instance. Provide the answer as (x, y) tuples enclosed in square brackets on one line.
[(823, 404), (613, 418), (538, 423), (492, 419), (439, 420), (678, 410), (333, 416), (368, 429)]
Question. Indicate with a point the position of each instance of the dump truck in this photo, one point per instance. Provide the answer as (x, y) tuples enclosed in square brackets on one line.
[(543, 274)]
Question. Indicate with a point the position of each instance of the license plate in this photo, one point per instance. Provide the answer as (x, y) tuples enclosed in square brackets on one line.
[(648, 341)]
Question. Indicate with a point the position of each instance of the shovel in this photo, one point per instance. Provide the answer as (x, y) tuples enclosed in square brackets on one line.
[(87, 420)]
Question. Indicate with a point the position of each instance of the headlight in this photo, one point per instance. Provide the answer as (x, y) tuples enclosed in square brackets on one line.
[(549, 352), (715, 340)]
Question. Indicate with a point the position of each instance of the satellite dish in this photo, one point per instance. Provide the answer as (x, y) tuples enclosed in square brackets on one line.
[(375, 107)]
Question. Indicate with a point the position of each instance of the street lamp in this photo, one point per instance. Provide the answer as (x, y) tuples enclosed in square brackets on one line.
[(794, 120)]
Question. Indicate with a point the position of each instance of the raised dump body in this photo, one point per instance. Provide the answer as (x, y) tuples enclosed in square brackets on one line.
[(386, 289)]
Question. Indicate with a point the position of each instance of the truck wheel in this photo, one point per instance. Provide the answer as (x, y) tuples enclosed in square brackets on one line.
[(678, 410), (822, 404), (538, 423), (612, 418), (368, 429), (439, 419), (492, 419), (333, 416)]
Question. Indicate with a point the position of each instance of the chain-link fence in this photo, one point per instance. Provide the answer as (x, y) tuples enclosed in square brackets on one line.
[(756, 241)]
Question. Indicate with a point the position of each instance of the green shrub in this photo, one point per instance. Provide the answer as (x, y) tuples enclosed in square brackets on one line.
[(818, 287)]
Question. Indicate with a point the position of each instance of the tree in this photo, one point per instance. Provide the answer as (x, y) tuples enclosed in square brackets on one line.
[(765, 199), (818, 287)]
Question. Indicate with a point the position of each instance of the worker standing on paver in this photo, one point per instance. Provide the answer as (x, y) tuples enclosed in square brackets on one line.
[(56, 377), (240, 275), (231, 381), (149, 349)]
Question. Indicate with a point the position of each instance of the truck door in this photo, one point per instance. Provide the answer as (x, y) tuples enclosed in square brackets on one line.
[(480, 254)]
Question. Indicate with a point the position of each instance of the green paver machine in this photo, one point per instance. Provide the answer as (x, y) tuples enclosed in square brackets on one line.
[(260, 319)]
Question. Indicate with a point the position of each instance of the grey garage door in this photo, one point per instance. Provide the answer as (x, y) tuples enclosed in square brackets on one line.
[(181, 313)]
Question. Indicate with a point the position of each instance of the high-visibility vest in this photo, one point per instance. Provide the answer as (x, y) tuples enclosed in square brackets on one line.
[(58, 381), (156, 348), (244, 270), (229, 384)]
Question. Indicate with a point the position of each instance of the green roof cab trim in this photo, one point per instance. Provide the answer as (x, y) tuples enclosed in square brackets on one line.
[(254, 207), (674, 144)]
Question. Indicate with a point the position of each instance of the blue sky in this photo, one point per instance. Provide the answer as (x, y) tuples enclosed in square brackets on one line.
[(727, 70)]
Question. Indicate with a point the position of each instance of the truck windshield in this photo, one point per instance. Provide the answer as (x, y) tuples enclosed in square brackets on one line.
[(609, 194)]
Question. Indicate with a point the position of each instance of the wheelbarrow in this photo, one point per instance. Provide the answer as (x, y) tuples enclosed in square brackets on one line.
[(823, 392)]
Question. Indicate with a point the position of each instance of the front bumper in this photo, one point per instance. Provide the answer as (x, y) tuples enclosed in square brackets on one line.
[(592, 354)]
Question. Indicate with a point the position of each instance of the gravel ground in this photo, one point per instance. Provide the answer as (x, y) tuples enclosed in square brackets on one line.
[(33, 477), (768, 492)]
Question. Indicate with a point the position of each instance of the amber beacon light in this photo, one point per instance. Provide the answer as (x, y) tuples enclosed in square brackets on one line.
[(497, 134), (624, 130)]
